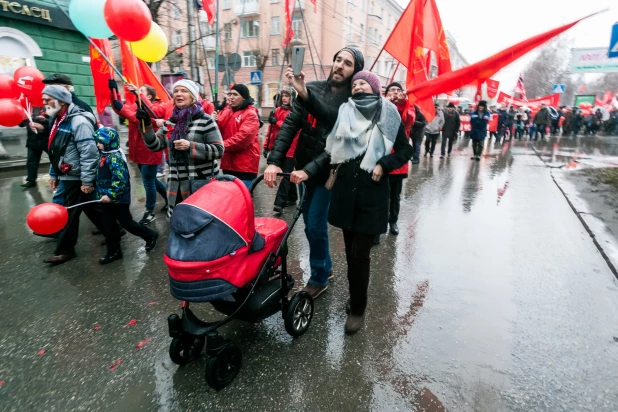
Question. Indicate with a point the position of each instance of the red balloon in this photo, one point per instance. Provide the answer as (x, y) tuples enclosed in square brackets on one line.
[(8, 88), (29, 81), (47, 218), (11, 113), (586, 113), (585, 106), (128, 19)]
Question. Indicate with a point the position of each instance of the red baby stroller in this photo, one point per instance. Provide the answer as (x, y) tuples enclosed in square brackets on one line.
[(218, 253)]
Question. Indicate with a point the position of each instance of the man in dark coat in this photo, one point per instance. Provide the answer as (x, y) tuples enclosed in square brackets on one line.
[(541, 120), (314, 114), (36, 143), (450, 129), (417, 134), (568, 118)]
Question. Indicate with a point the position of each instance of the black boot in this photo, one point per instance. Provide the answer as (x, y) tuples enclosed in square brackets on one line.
[(152, 241), (110, 257), (394, 229)]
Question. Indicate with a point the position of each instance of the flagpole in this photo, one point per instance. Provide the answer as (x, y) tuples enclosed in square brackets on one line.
[(216, 95), (199, 25), (302, 16)]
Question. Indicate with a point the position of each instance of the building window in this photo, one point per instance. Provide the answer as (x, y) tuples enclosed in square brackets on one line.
[(297, 26), (177, 38), (176, 11), (369, 35), (250, 28), (274, 1), (227, 31), (362, 31), (350, 34), (274, 59), (273, 90), (248, 59), (226, 4), (274, 25), (371, 8), (210, 61), (362, 5), (156, 67)]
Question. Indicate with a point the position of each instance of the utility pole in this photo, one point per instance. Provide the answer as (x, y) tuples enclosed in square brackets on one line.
[(192, 46)]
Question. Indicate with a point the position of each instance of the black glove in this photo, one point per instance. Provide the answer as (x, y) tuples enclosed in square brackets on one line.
[(272, 119), (117, 104), (111, 83), (265, 153), (143, 115)]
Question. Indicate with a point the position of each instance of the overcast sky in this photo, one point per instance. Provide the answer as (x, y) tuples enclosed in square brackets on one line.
[(482, 27)]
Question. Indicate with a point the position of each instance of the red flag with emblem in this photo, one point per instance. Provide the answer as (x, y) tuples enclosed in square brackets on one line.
[(492, 88), (289, 31), (101, 72), (209, 8)]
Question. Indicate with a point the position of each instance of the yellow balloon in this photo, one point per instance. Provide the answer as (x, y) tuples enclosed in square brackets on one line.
[(153, 47)]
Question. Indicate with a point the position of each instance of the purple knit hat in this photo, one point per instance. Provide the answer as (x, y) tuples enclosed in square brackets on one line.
[(371, 78)]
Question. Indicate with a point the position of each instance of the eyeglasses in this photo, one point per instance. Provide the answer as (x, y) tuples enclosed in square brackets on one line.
[(395, 89)]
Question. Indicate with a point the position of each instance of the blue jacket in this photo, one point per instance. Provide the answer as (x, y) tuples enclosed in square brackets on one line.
[(113, 173), (479, 125)]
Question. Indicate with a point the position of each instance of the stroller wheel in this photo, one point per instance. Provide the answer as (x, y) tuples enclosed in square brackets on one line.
[(299, 314), (223, 368), (186, 349)]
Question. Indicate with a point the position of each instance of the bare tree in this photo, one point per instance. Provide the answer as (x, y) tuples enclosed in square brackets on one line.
[(154, 6), (607, 82)]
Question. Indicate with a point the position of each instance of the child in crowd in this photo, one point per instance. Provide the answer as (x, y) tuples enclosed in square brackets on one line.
[(114, 191), (519, 127)]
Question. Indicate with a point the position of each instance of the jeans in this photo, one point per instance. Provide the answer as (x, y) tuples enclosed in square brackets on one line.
[(519, 133), (161, 167), (287, 190), (357, 253), (152, 185), (72, 196), (532, 131), (416, 144), (477, 147), (540, 129), (114, 212), (247, 183), (315, 216), (32, 163), (58, 197), (430, 142), (396, 183), (451, 140)]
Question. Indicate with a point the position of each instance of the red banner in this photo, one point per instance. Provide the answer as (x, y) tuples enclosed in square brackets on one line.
[(492, 88), (551, 100), (464, 125), (101, 72), (493, 123)]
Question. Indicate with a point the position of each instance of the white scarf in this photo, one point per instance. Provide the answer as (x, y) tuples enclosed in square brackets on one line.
[(356, 132)]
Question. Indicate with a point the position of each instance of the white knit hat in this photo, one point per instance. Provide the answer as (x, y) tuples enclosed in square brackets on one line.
[(189, 85)]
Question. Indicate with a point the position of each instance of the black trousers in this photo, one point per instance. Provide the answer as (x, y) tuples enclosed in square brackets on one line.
[(430, 142), (114, 212), (287, 191), (396, 183), (540, 128), (477, 147), (32, 163), (357, 252), (72, 196), (451, 140)]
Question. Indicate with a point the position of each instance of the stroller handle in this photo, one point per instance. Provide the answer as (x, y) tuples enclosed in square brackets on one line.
[(301, 201)]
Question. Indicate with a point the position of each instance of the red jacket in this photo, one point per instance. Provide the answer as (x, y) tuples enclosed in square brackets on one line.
[(273, 131), (138, 152), (240, 130), (208, 107), (407, 124)]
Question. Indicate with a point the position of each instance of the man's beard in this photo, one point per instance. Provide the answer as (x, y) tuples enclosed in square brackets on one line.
[(52, 111), (338, 83)]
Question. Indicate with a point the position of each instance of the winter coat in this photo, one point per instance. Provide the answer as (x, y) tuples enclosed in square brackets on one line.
[(510, 117), (314, 118), (37, 141), (81, 104), (200, 159), (542, 116), (418, 129), (273, 130), (113, 178), (360, 204), (106, 118), (452, 122), (240, 130), (407, 125), (81, 154), (436, 124), (138, 152), (478, 125)]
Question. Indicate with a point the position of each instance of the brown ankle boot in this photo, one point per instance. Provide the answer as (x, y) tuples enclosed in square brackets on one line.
[(354, 323)]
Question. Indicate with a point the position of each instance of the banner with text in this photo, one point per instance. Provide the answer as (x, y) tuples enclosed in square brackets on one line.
[(551, 100), (464, 125)]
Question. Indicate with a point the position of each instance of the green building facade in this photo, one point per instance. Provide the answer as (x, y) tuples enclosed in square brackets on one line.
[(37, 33)]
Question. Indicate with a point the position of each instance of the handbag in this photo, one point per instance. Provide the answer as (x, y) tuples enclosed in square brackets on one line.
[(330, 182), (197, 184)]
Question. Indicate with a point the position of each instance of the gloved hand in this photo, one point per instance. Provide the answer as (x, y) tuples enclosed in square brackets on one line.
[(111, 83), (143, 115), (117, 105), (272, 119), (265, 153)]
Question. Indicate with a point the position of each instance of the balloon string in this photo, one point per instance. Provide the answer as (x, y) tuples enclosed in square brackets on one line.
[(85, 203)]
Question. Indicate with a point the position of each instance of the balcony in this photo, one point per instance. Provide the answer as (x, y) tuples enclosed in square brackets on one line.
[(209, 42), (246, 7)]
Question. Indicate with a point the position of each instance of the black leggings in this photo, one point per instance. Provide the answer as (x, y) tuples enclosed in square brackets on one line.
[(396, 183), (477, 147), (114, 212), (357, 252)]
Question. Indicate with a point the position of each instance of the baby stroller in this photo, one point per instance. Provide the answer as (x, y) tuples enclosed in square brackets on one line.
[(218, 252)]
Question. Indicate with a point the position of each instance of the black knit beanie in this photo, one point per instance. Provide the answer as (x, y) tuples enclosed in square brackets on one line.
[(359, 60), (242, 90), (393, 84)]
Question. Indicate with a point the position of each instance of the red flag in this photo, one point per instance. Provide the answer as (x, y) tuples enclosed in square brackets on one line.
[(478, 96), (129, 71), (434, 37), (520, 88), (151, 79), (492, 88), (582, 88), (483, 70), (315, 5), (551, 100), (415, 56), (101, 72), (289, 31), (209, 8), (607, 98)]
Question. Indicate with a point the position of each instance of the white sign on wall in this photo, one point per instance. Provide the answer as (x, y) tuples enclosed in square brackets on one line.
[(593, 61)]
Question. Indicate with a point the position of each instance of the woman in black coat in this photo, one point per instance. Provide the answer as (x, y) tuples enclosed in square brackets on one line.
[(358, 154)]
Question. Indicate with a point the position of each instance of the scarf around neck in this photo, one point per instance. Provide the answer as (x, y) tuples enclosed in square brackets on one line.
[(182, 118), (366, 125)]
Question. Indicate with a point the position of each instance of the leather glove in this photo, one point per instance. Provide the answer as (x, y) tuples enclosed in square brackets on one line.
[(111, 83), (117, 105), (265, 153), (272, 119), (143, 115)]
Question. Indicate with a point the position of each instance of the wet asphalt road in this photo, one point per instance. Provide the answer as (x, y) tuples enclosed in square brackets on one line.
[(492, 298)]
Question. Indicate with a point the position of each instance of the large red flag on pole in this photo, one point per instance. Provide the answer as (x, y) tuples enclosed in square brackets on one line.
[(149, 78), (101, 72), (209, 8), (289, 31), (129, 71), (479, 72), (434, 37)]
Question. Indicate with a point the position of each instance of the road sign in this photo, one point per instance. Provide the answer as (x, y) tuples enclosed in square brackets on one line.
[(613, 44), (558, 88), (234, 61), (256, 77), (593, 61)]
